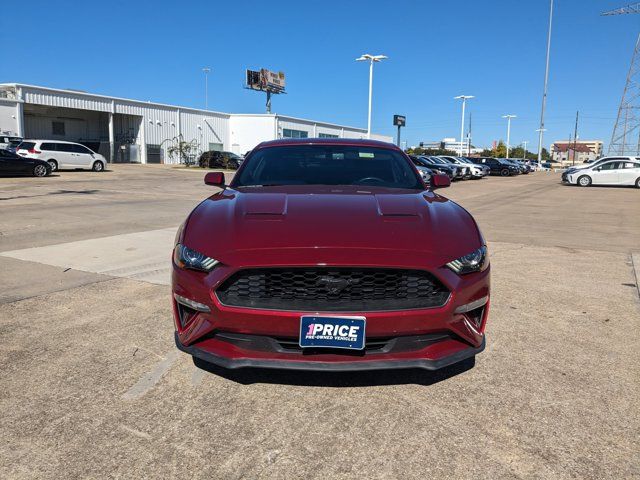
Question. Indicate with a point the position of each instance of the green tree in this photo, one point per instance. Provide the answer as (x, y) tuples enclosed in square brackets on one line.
[(545, 154), (500, 151)]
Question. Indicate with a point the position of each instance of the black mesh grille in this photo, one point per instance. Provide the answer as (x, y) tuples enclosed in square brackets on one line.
[(333, 289)]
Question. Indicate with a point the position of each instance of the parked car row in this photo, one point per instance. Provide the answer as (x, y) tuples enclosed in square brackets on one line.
[(41, 157), (464, 168), (220, 159), (623, 171)]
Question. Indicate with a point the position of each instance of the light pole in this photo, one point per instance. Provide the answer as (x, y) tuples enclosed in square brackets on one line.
[(206, 71), (464, 99), (508, 117), (541, 130), (371, 59), (524, 149)]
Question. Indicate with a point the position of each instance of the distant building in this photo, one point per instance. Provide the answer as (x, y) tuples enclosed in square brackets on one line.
[(136, 131), (568, 152), (449, 144)]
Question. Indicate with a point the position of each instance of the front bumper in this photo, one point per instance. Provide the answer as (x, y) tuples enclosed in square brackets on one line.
[(236, 337), (331, 366)]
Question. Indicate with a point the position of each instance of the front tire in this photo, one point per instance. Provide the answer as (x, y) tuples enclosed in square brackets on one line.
[(504, 172), (584, 181), (40, 171), (638, 182), (53, 164), (97, 166)]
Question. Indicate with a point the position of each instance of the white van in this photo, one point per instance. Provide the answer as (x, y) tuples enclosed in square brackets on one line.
[(62, 154)]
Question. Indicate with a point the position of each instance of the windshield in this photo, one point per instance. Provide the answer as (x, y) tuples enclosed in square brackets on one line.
[(327, 165)]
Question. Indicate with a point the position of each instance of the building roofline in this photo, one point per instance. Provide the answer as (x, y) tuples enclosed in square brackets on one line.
[(108, 97), (142, 102)]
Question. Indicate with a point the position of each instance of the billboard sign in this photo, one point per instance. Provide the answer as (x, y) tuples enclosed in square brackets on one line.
[(399, 120), (266, 80)]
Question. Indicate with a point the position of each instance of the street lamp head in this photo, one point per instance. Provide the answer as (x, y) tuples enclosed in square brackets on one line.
[(463, 97), (206, 69), (509, 116), (371, 58)]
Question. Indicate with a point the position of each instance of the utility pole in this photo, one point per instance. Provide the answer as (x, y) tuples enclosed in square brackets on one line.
[(524, 149), (541, 130), (575, 138)]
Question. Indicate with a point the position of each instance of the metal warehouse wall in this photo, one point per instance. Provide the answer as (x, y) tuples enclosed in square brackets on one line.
[(247, 131), (79, 125), (68, 100), (8, 117), (315, 128), (153, 126)]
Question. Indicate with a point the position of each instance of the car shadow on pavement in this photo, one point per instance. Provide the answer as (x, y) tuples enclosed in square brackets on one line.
[(248, 376)]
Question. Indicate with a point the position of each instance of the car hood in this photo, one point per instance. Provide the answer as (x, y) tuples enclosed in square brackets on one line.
[(350, 222)]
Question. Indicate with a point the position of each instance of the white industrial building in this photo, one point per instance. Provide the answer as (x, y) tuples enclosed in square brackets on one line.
[(125, 130)]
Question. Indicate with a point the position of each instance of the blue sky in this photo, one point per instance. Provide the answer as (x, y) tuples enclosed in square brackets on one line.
[(492, 49)]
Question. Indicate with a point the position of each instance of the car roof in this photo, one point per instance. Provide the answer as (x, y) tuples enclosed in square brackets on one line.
[(328, 141), (50, 141)]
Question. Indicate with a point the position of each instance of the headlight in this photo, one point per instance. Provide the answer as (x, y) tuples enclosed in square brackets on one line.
[(186, 257), (472, 262)]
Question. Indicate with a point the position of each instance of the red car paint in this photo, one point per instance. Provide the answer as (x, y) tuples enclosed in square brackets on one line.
[(310, 225)]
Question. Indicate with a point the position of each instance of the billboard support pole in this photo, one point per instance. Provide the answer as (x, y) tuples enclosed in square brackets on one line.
[(398, 136), (268, 101)]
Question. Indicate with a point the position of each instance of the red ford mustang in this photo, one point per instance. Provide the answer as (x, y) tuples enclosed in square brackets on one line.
[(329, 254)]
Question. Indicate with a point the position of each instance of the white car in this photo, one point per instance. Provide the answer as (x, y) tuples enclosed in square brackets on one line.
[(613, 172), (477, 171), (61, 154)]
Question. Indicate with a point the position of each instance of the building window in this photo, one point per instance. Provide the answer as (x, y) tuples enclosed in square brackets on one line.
[(57, 128), (327, 135), (289, 133)]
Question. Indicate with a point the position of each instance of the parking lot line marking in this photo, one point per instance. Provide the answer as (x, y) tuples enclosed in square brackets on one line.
[(149, 380)]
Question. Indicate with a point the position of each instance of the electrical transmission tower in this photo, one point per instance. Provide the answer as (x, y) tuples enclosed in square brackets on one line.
[(625, 139)]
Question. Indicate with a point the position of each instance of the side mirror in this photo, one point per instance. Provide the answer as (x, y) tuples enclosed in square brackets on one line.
[(440, 181), (214, 178)]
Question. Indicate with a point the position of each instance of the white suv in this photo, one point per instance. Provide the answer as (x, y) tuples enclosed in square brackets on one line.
[(62, 154)]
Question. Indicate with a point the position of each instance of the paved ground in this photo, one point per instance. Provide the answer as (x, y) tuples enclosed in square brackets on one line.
[(93, 386)]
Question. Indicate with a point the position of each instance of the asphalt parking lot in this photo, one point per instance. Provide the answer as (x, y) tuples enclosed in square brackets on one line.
[(93, 385)]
